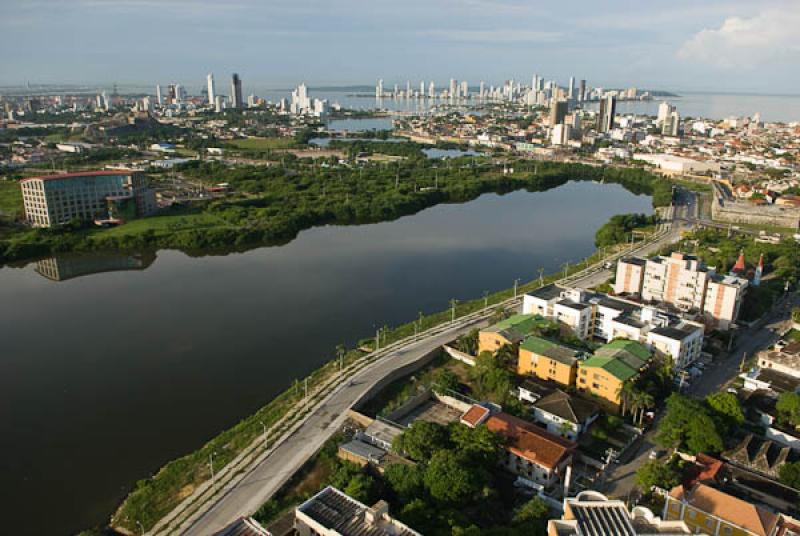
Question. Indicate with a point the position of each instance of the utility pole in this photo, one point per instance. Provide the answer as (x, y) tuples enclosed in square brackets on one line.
[(516, 283), (264, 426), (541, 277), (213, 475), (566, 268), (744, 358), (485, 299), (306, 384), (453, 304), (377, 339)]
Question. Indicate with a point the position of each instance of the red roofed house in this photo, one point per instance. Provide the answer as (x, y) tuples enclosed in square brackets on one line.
[(532, 453)]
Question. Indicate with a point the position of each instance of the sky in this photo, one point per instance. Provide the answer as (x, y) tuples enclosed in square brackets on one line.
[(689, 45)]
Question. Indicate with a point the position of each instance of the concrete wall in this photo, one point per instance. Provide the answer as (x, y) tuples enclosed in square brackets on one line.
[(410, 405), (396, 375), (459, 355)]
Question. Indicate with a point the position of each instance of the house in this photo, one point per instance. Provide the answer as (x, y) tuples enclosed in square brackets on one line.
[(708, 510), (760, 456), (783, 358), (334, 513), (604, 374), (565, 415), (591, 513), (512, 331), (548, 360), (533, 454)]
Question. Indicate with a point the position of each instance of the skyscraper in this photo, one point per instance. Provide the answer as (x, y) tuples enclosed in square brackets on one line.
[(582, 91), (158, 95), (571, 87), (211, 92), (236, 91), (605, 116), (379, 89), (558, 111)]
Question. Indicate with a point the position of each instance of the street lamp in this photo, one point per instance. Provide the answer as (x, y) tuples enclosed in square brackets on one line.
[(453, 304), (516, 283), (485, 299), (213, 475), (264, 426)]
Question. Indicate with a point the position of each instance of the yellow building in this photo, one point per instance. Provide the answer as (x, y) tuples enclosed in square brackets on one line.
[(604, 374), (548, 360), (710, 511), (512, 330)]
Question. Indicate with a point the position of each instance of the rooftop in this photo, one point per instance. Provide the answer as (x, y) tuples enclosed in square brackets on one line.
[(570, 408), (621, 358), (638, 261), (337, 511), (78, 174), (244, 526), (530, 442), (724, 506), (553, 350), (547, 292), (517, 327)]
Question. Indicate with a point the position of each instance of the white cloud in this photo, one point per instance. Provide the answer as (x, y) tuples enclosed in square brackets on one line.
[(769, 37), (496, 36)]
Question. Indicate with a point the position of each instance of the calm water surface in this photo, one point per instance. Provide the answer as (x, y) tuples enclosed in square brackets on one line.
[(105, 377)]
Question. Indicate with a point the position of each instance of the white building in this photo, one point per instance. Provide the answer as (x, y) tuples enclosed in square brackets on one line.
[(211, 92), (561, 134), (673, 164)]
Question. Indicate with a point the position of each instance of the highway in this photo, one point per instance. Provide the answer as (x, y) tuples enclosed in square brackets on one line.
[(261, 482)]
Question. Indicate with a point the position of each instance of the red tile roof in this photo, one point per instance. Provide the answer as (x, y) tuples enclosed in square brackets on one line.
[(728, 508), (82, 174), (474, 415), (530, 442)]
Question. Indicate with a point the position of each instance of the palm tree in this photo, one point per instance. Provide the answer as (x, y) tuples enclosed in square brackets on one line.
[(625, 394), (646, 401)]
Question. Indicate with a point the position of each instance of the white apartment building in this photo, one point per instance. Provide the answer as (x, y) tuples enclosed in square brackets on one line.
[(679, 280), (685, 283), (723, 299), (598, 316)]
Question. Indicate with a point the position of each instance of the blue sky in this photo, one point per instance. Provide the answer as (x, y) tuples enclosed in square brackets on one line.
[(727, 45)]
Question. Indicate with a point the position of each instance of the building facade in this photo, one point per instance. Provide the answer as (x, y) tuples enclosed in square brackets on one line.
[(58, 199)]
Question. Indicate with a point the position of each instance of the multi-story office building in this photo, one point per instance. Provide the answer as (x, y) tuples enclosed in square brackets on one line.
[(236, 91), (558, 111), (59, 199), (685, 283), (211, 92), (605, 116)]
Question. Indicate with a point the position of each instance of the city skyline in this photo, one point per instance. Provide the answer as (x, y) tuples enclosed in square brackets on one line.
[(738, 46)]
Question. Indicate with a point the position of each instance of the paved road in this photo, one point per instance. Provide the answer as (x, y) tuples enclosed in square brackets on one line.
[(621, 479)]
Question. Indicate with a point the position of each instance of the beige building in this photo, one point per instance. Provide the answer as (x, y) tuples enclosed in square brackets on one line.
[(684, 282), (86, 196)]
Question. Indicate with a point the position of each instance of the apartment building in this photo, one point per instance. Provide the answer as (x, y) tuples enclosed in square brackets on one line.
[(723, 299), (630, 276), (679, 280), (591, 513), (604, 374), (548, 360), (684, 282), (334, 513), (512, 331), (86, 196), (599, 316)]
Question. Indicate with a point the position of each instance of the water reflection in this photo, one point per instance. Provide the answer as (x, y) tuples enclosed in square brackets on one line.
[(64, 267)]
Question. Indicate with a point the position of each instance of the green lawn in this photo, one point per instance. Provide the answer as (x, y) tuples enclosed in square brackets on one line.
[(166, 224), (10, 199), (262, 144)]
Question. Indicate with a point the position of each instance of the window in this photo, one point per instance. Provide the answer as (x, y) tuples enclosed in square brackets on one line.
[(692, 514), (675, 508), (727, 531)]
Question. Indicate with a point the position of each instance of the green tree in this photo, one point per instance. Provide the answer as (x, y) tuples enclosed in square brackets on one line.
[(656, 473), (407, 481), (420, 440), (687, 424), (362, 488), (449, 479), (788, 406), (446, 379), (531, 518), (468, 343), (726, 409), (479, 445), (789, 474), (491, 381)]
